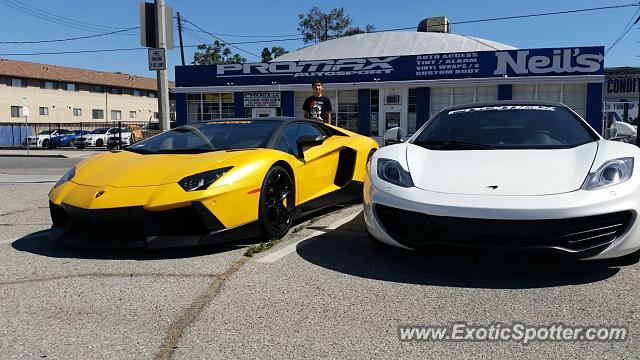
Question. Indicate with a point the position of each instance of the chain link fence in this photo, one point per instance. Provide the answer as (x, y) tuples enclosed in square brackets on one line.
[(14, 135)]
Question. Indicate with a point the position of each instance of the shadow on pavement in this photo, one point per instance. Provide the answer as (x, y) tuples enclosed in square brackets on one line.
[(38, 243), (348, 250)]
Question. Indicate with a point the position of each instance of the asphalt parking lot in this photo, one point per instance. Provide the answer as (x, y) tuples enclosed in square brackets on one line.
[(324, 291)]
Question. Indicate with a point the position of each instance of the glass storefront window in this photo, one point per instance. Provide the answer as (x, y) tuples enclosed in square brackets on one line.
[(442, 97), (347, 109), (209, 106), (549, 92), (375, 112), (572, 95), (463, 95), (411, 114), (486, 93)]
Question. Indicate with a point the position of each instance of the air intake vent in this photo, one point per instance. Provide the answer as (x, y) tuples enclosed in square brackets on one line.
[(582, 236), (435, 24)]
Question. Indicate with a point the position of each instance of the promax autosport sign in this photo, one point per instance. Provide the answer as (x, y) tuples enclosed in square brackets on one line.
[(485, 64), (262, 99)]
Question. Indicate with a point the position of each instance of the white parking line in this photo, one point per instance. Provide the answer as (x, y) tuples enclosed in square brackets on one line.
[(277, 255)]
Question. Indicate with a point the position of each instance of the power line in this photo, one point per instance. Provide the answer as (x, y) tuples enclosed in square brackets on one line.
[(66, 18), (233, 46), (47, 16), (192, 34), (72, 52), (526, 16), (196, 36), (450, 23), (84, 51), (248, 36), (625, 31), (67, 39)]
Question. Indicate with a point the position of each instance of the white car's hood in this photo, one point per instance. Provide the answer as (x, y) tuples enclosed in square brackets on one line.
[(501, 172)]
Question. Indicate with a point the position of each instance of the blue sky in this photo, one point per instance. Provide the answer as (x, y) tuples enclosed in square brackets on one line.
[(251, 18)]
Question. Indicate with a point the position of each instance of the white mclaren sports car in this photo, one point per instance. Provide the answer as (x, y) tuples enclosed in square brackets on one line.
[(523, 175)]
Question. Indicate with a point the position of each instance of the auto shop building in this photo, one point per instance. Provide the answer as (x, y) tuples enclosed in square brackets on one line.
[(380, 80)]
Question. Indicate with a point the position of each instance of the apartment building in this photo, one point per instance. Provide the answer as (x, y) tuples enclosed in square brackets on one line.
[(57, 94)]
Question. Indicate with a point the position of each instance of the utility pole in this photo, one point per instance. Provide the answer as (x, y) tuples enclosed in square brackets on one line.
[(163, 80), (106, 105), (326, 28), (180, 36), (638, 121)]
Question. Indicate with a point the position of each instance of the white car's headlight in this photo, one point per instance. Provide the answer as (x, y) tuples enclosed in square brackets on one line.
[(391, 171), (612, 172), (66, 177)]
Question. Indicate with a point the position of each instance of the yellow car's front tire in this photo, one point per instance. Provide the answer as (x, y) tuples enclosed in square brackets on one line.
[(277, 202)]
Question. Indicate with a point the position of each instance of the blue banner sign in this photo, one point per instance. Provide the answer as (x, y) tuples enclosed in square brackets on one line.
[(484, 64)]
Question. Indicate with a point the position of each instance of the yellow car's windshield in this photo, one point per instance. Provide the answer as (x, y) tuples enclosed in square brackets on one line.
[(211, 136)]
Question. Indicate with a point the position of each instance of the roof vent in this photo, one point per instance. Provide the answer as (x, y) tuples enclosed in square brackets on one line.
[(434, 24)]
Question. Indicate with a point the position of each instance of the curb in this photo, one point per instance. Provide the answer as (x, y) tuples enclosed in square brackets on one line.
[(35, 155)]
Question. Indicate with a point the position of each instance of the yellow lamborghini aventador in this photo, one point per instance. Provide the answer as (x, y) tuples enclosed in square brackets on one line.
[(208, 183)]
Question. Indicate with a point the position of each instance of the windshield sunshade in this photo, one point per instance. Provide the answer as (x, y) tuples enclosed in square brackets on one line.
[(206, 137)]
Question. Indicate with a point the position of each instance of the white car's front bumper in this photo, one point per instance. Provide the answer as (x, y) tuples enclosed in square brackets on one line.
[(478, 220)]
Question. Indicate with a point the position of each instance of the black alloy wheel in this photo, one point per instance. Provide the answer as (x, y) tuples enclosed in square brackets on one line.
[(45, 143), (277, 202), (99, 143)]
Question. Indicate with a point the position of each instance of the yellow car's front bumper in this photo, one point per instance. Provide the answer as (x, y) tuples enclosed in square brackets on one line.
[(153, 216)]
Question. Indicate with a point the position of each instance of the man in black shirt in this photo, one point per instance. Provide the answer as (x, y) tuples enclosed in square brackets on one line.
[(317, 106)]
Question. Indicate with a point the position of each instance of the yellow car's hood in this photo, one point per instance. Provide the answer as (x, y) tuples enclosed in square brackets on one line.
[(128, 169)]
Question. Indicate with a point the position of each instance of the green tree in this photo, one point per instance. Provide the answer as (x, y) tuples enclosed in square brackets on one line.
[(268, 55), (218, 53), (278, 51), (317, 26), (356, 30)]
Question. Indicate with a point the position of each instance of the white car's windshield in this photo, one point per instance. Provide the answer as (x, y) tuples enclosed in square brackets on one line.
[(504, 127)]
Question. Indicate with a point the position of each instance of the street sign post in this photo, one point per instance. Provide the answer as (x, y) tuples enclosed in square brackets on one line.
[(148, 26), (25, 112), (156, 33), (157, 59)]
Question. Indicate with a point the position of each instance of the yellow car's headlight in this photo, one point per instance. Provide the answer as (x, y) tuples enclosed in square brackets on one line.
[(66, 177), (202, 180)]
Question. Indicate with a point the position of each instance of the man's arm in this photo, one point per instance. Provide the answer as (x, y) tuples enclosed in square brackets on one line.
[(329, 108)]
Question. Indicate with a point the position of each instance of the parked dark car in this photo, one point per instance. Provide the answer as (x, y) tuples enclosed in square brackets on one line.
[(66, 140)]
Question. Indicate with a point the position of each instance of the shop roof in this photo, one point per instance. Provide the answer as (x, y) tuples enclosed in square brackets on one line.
[(392, 43)]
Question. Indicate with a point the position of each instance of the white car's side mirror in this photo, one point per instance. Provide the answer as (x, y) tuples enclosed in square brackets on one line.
[(623, 129), (393, 136)]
